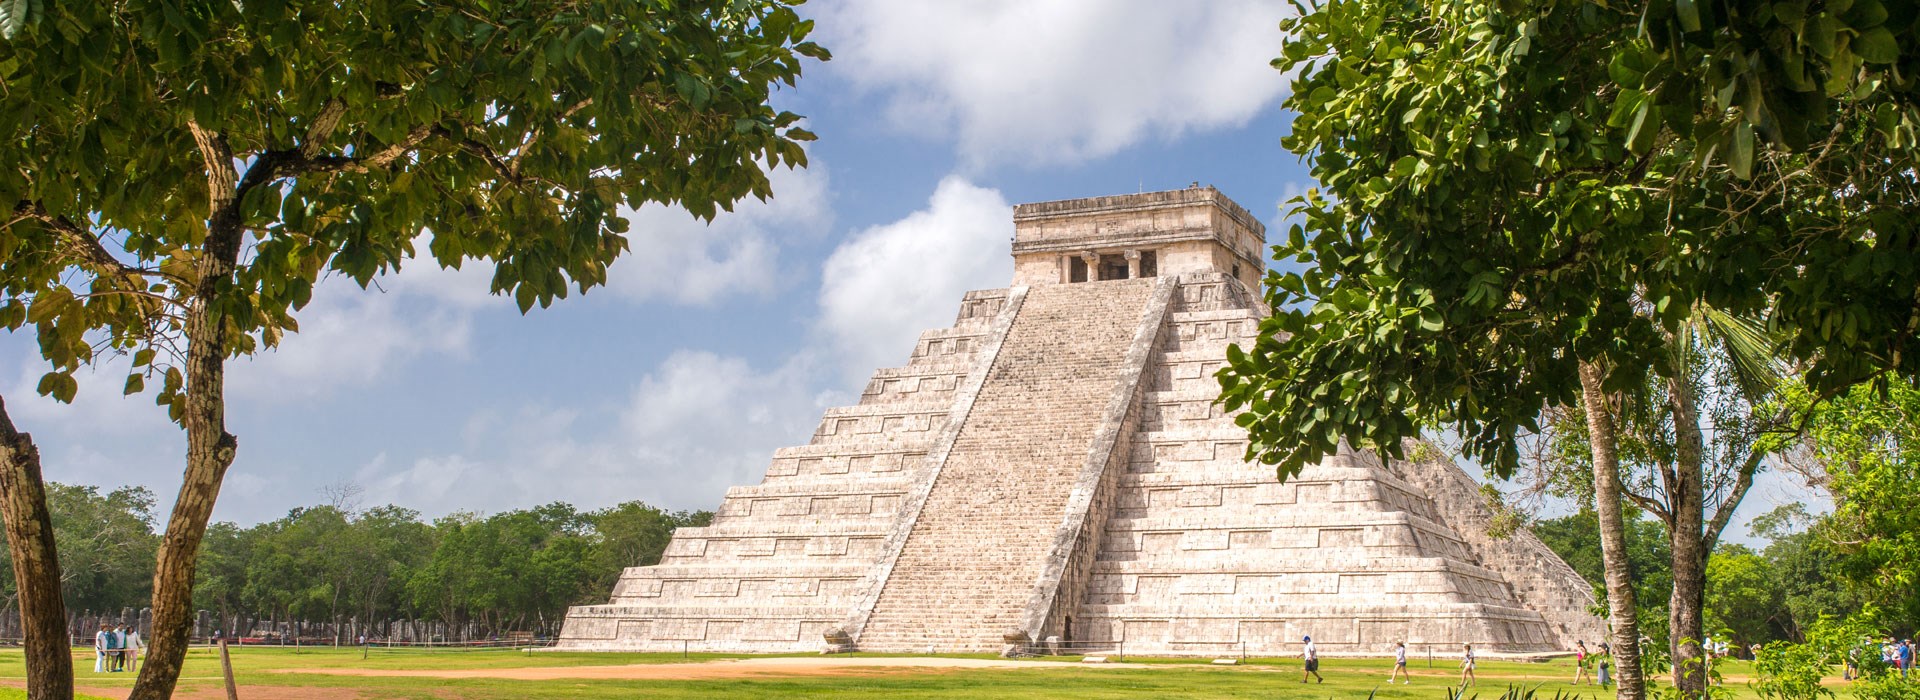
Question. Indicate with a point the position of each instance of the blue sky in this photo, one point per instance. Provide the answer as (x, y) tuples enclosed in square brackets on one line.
[(715, 344)]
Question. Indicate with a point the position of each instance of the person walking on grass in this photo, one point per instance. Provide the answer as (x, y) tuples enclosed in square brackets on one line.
[(1312, 657), (1606, 664), (1580, 676), (1466, 667), (1400, 665)]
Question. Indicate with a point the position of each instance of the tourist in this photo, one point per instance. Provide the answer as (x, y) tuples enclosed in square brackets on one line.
[(1466, 667), (1400, 665), (1906, 656), (114, 642), (1312, 657), (1580, 676), (100, 649), (1606, 663), (133, 648)]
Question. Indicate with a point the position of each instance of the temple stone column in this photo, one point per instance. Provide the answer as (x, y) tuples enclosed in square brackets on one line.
[(1133, 264)]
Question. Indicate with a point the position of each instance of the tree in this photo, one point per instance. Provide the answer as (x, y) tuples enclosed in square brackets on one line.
[(1524, 201), (1805, 568), (1689, 448), (634, 534), (1868, 442), (504, 570), (33, 557), (106, 545), (185, 171), (1744, 597), (221, 575)]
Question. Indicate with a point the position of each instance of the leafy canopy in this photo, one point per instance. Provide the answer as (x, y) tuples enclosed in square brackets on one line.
[(1869, 443), (340, 136), (1512, 187)]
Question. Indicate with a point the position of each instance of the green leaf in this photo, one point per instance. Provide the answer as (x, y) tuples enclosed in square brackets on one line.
[(1431, 320), (135, 384), (59, 385), (1741, 156), (1646, 125), (1876, 45), (1820, 34), (1689, 14), (16, 15)]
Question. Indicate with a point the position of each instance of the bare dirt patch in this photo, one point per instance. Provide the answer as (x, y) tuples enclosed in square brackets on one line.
[(712, 670)]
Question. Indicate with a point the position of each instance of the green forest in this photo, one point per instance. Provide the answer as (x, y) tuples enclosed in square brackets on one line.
[(515, 570), (519, 570)]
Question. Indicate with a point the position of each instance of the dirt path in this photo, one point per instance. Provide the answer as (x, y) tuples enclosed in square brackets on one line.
[(718, 669)]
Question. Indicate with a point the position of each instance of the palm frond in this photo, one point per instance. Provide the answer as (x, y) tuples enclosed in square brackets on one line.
[(1758, 363)]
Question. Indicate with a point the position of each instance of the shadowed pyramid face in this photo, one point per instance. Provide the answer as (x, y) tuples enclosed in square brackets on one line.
[(1053, 466)]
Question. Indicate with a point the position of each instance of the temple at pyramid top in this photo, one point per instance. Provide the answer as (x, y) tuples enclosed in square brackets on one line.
[(1129, 236)]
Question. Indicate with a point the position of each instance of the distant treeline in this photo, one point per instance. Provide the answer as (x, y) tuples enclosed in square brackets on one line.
[(516, 570)]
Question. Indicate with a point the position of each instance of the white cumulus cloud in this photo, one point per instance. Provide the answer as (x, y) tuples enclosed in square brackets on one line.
[(695, 424), (678, 258), (1052, 81), (886, 284)]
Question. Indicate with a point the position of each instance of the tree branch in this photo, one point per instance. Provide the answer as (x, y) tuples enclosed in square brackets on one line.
[(322, 127), (540, 130), (290, 163), (85, 249), (221, 177), (1654, 506), (1724, 514)]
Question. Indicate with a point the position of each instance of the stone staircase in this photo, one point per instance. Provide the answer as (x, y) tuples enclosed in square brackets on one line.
[(970, 560), (1204, 553), (782, 559)]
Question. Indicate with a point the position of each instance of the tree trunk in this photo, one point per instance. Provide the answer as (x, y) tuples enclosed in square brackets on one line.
[(1613, 535), (36, 565), (1687, 503), (209, 447)]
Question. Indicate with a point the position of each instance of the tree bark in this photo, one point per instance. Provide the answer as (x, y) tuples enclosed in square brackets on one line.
[(36, 565), (1622, 613), (1686, 535), (210, 448)]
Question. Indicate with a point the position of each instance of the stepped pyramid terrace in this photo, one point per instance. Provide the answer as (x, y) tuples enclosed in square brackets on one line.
[(1052, 465)]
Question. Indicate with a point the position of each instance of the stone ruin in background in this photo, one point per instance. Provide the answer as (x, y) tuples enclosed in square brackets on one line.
[(1054, 466)]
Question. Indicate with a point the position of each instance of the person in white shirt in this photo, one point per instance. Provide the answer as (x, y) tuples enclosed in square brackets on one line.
[(1400, 665), (100, 650), (1312, 657), (1466, 667), (133, 649)]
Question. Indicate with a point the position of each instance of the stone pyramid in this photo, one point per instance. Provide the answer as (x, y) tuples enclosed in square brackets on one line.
[(1053, 466)]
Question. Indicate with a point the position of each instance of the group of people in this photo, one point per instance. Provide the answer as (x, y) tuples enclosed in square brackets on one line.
[(1584, 660), (116, 649), (1895, 654), (1311, 655)]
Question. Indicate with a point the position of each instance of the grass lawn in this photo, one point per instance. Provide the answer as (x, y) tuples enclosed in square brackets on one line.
[(298, 674)]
